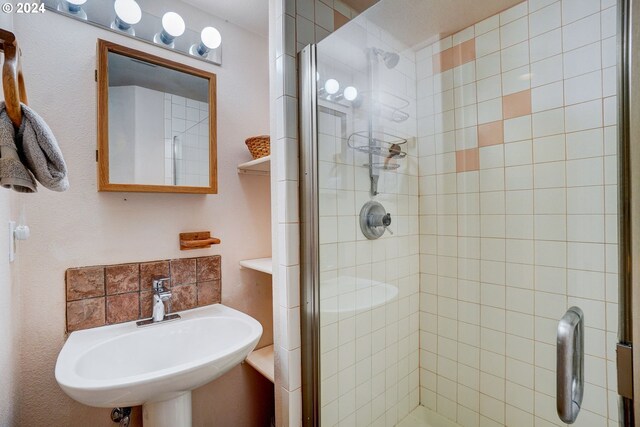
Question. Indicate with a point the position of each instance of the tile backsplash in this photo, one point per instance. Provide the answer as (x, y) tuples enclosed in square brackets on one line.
[(107, 294)]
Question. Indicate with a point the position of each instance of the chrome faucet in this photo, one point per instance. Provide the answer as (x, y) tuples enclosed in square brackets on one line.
[(161, 300), (160, 296)]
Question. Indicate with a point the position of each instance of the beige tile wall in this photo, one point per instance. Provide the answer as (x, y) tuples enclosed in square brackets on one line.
[(518, 212)]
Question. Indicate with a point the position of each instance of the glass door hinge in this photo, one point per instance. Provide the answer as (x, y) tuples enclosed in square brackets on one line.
[(624, 362)]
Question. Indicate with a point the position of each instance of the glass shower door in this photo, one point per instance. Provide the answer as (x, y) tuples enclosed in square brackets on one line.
[(465, 171)]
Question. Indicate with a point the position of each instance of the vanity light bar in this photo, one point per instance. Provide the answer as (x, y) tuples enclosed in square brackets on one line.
[(127, 18)]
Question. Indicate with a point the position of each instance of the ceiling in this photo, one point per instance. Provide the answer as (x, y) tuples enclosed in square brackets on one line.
[(410, 21), (360, 5), (413, 22), (253, 15)]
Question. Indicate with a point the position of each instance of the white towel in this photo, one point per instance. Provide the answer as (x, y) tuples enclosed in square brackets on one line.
[(40, 152)]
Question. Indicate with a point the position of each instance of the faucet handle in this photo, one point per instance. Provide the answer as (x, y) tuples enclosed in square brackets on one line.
[(158, 284)]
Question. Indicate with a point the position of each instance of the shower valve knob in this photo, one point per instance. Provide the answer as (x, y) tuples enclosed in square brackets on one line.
[(386, 220), (374, 220)]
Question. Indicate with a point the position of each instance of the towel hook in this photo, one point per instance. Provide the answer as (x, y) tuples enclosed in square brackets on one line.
[(12, 78)]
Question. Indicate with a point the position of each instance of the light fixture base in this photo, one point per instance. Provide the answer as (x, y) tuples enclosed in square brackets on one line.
[(117, 27), (75, 10), (161, 40)]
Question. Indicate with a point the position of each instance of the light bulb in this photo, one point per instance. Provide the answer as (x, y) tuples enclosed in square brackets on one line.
[(332, 86), (172, 27), (173, 24), (350, 93), (210, 38), (128, 13)]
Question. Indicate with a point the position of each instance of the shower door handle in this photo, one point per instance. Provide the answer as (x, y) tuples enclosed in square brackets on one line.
[(570, 365)]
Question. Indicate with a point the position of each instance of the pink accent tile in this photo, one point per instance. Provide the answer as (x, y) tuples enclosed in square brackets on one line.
[(454, 56), (339, 19), (152, 270), (208, 292), (467, 160), (183, 297), (122, 278), (490, 134), (86, 282), (443, 61), (208, 268), (123, 307), (86, 313), (183, 271), (517, 104), (464, 52)]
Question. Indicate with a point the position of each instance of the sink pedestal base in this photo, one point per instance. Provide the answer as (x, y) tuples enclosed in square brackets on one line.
[(174, 412)]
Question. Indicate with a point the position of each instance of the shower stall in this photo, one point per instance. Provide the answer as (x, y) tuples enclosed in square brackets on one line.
[(460, 169)]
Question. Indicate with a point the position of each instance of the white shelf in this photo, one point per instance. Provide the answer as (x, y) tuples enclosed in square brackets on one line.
[(259, 264), (262, 361), (261, 166)]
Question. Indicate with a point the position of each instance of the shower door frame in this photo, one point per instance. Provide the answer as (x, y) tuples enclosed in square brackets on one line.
[(309, 236), (629, 203)]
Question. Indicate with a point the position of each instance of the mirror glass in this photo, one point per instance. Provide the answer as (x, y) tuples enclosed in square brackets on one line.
[(159, 124)]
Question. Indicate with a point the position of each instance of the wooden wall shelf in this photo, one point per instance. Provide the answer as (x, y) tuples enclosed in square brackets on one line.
[(197, 240)]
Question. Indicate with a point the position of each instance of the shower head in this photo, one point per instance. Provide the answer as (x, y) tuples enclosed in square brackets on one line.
[(390, 59)]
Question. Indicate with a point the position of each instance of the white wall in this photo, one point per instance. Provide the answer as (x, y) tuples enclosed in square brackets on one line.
[(84, 227), (8, 310), (121, 130), (149, 135), (8, 302)]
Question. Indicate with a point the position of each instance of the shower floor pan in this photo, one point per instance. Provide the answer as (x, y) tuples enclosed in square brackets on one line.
[(423, 417)]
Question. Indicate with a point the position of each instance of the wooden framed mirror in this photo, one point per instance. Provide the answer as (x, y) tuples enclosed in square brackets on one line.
[(156, 124)]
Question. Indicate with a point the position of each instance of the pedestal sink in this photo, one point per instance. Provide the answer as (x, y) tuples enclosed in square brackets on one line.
[(155, 366)]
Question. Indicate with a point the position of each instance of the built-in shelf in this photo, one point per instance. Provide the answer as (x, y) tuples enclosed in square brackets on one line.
[(262, 361), (261, 166), (260, 264)]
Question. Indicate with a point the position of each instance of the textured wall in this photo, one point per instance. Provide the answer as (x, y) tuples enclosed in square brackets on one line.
[(84, 227), (9, 302)]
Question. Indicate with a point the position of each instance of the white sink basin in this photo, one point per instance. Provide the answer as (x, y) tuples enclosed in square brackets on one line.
[(158, 365)]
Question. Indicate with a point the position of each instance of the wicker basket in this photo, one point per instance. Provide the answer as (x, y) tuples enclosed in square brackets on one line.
[(258, 146)]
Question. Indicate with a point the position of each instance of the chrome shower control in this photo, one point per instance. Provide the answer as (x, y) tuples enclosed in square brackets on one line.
[(374, 220)]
